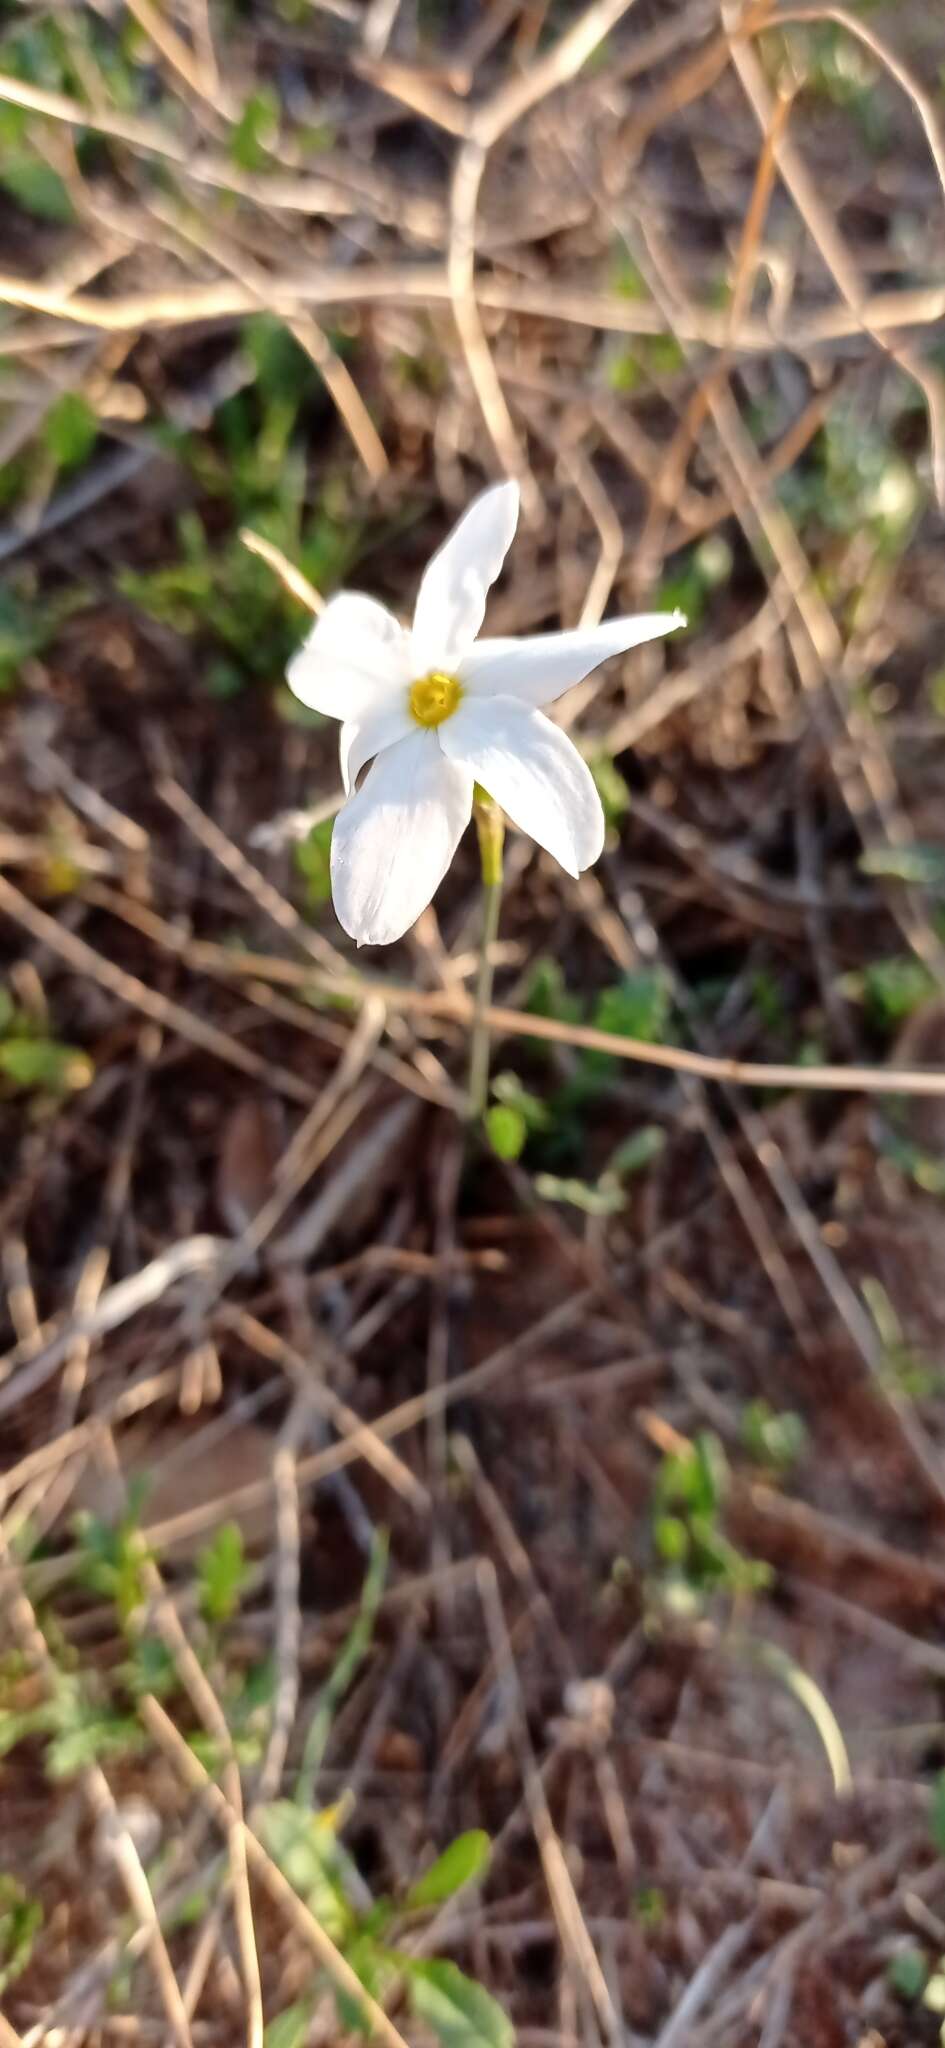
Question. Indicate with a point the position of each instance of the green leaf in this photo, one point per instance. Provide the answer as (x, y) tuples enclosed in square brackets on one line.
[(466, 1858), (705, 1475), (351, 2013), (894, 988), (353, 1650), (222, 1573), (671, 1538), (303, 1845), (548, 994), (909, 1973), (772, 1437), (40, 1063), (257, 1690), (663, 354), (626, 279), (24, 631), (637, 1152), (112, 1556), (684, 590), (92, 1735), (688, 1494), (937, 1815), (460, 2013), (21, 1917), (70, 430), (188, 1910), (639, 1006), (119, 1993), (253, 134), (507, 1130), (313, 862), (150, 1669), (222, 679), (16, 1725), (374, 1968), (289, 2028), (717, 1562), (923, 866), (611, 788), (314, 137), (508, 1089), (38, 189), (283, 370), (768, 999), (624, 372), (247, 1750), (606, 1199)]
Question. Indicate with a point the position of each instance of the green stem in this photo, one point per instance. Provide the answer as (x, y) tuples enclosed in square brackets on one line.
[(491, 830)]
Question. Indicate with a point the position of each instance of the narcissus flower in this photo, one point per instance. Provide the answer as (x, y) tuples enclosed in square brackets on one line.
[(437, 710)]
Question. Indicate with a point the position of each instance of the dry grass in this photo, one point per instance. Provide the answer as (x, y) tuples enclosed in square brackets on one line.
[(678, 267)]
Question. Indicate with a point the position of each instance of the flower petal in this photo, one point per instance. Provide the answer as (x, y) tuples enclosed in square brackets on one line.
[(540, 667), (531, 768), (394, 839), (451, 601), (355, 655), (363, 737)]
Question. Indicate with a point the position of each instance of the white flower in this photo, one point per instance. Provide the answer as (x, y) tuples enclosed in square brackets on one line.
[(439, 711)]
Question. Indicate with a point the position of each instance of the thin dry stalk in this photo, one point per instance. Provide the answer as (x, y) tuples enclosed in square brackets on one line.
[(507, 105), (396, 1422), (180, 58), (886, 312), (267, 1344), (747, 1073), (97, 1792), (234, 862), (573, 1934), (827, 237), (37, 1356), (456, 1004), (288, 574), (288, 1619), (923, 102), (704, 1985), (83, 959), (292, 1906), (195, 1681)]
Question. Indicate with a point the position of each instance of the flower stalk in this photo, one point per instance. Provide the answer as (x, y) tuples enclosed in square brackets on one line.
[(490, 830)]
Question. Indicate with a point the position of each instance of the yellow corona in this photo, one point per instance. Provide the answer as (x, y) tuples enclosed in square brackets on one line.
[(434, 698)]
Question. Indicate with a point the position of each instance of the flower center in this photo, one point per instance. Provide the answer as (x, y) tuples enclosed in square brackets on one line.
[(434, 698)]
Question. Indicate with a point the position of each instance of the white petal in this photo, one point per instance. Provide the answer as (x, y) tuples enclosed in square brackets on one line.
[(394, 839), (355, 655), (361, 738), (531, 768), (451, 601), (539, 668)]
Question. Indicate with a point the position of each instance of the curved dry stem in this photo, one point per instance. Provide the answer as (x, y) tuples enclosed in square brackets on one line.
[(827, 237), (460, 271)]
